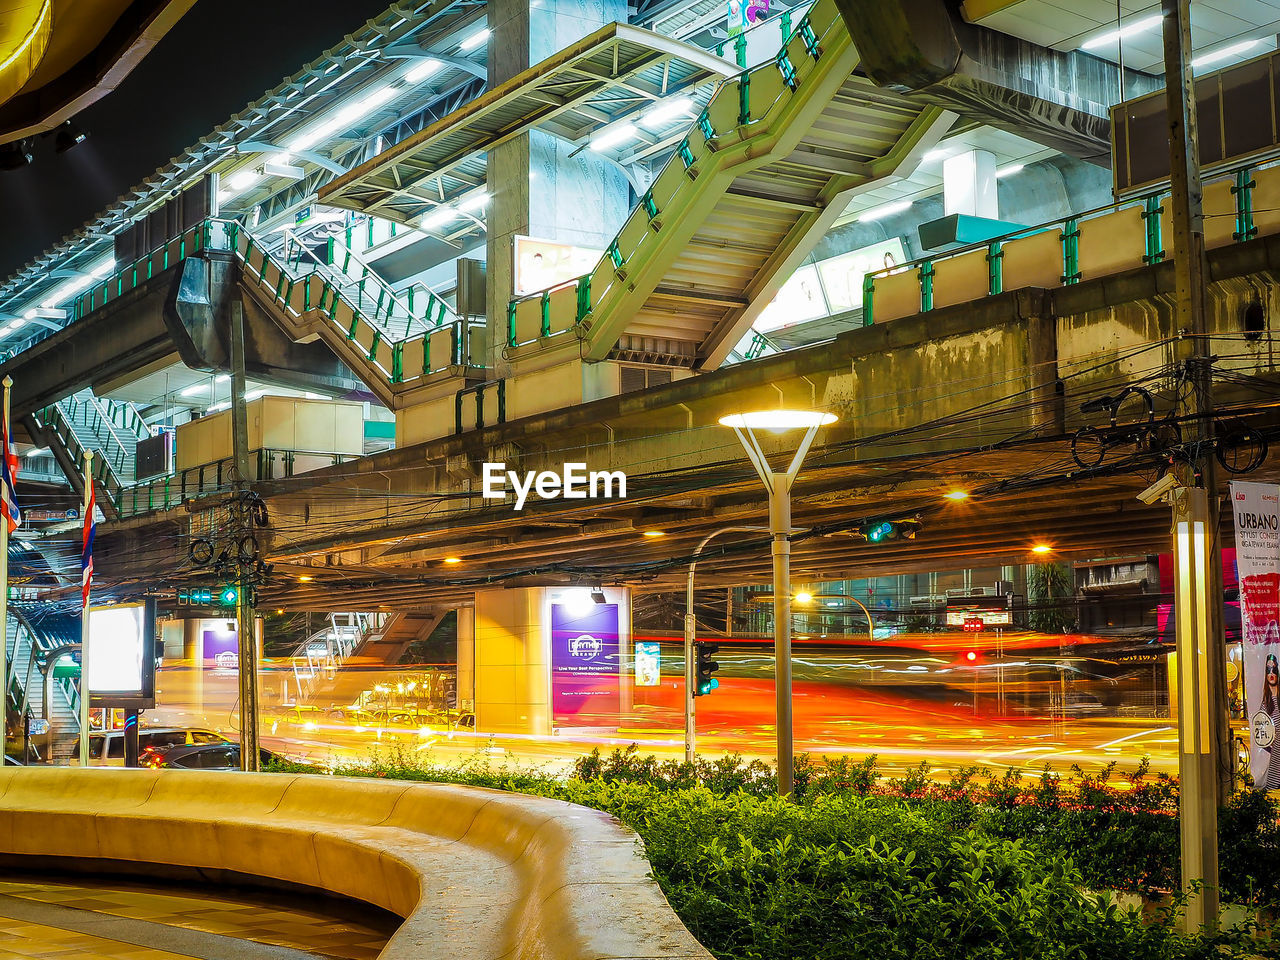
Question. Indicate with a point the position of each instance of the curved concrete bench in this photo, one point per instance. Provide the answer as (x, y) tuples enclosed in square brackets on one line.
[(475, 873)]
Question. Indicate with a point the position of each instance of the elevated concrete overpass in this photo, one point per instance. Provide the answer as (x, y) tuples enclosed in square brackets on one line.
[(983, 396), (985, 361)]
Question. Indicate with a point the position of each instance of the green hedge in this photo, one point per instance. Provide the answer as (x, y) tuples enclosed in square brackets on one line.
[(858, 867)]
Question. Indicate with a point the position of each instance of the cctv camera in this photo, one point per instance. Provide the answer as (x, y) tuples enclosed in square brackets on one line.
[(1158, 490)]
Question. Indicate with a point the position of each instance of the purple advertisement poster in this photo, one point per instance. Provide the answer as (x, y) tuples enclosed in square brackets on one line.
[(221, 650), (585, 665)]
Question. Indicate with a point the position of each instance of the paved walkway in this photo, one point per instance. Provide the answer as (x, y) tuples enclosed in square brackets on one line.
[(122, 920)]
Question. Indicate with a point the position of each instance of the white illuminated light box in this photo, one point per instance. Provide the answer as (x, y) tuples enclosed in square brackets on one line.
[(121, 656)]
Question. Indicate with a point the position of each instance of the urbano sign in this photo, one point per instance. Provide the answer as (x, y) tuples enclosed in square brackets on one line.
[(573, 482)]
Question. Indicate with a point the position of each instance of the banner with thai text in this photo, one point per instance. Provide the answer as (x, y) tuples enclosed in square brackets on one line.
[(1256, 511)]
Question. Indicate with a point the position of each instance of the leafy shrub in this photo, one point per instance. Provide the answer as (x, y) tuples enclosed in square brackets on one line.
[(979, 867)]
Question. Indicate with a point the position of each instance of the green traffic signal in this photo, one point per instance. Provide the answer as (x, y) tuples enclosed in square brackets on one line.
[(228, 596), (704, 667)]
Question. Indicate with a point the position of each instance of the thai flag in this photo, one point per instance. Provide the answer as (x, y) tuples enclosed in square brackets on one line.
[(86, 555), (9, 472)]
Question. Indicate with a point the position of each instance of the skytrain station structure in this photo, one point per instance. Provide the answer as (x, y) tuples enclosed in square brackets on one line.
[(473, 237), (455, 390)]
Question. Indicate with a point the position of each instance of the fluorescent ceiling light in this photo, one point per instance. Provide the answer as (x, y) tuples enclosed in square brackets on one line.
[(254, 394), (935, 155), (37, 452), (192, 390), (18, 324), (439, 217), (607, 139), (661, 114), (343, 119), (1226, 53), (220, 406), (423, 70), (885, 210), (1010, 170), (243, 180), (475, 39), (474, 203), (222, 378), (1128, 30), (73, 286)]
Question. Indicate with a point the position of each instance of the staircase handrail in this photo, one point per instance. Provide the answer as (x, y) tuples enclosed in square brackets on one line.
[(383, 308), (435, 303), (104, 417)]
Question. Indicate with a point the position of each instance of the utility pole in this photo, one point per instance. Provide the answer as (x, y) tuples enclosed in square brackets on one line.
[(246, 638), (1205, 758)]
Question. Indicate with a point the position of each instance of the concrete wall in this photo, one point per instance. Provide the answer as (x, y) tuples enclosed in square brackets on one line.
[(275, 423)]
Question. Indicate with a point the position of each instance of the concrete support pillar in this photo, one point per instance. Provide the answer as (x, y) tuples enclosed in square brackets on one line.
[(193, 651), (512, 663), (522, 685), (535, 188), (466, 658)]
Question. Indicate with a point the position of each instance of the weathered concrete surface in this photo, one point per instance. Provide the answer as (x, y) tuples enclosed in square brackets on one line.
[(475, 873), (924, 48)]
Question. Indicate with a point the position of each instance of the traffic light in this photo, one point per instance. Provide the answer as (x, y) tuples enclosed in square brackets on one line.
[(704, 667), (877, 532), (971, 656), (882, 530), (225, 596)]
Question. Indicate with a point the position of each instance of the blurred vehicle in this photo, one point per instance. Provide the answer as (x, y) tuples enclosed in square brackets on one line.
[(208, 756), (151, 740)]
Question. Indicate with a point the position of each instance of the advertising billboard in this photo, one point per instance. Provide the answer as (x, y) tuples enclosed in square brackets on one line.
[(648, 663), (585, 664), (1256, 511), (222, 649), (541, 264), (121, 657)]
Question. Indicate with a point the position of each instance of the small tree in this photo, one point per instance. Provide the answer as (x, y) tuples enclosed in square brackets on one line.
[(1051, 591)]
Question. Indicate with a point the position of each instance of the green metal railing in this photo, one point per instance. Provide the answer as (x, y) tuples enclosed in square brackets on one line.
[(1150, 209), (210, 479), (740, 107)]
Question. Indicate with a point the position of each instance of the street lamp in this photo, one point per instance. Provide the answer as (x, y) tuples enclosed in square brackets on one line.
[(778, 487)]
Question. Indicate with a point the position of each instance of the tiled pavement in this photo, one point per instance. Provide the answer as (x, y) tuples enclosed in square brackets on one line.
[(78, 919)]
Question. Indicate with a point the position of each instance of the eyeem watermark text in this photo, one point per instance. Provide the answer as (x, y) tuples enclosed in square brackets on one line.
[(572, 483)]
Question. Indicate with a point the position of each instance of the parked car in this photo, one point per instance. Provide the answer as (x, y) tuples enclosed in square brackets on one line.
[(209, 756), (151, 740)]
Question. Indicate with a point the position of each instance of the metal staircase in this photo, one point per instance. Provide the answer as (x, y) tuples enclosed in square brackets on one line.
[(33, 690), (35, 630), (85, 422), (413, 312), (759, 178), (323, 653), (311, 303), (388, 642)]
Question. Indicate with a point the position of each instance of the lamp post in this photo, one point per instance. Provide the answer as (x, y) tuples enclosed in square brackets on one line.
[(778, 487), (690, 626)]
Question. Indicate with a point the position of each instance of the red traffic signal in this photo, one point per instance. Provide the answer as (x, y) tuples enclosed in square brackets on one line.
[(971, 656)]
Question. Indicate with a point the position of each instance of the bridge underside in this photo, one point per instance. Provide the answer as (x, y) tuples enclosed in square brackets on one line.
[(180, 316), (983, 396)]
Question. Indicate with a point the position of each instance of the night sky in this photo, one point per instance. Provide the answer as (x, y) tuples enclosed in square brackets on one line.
[(219, 57)]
